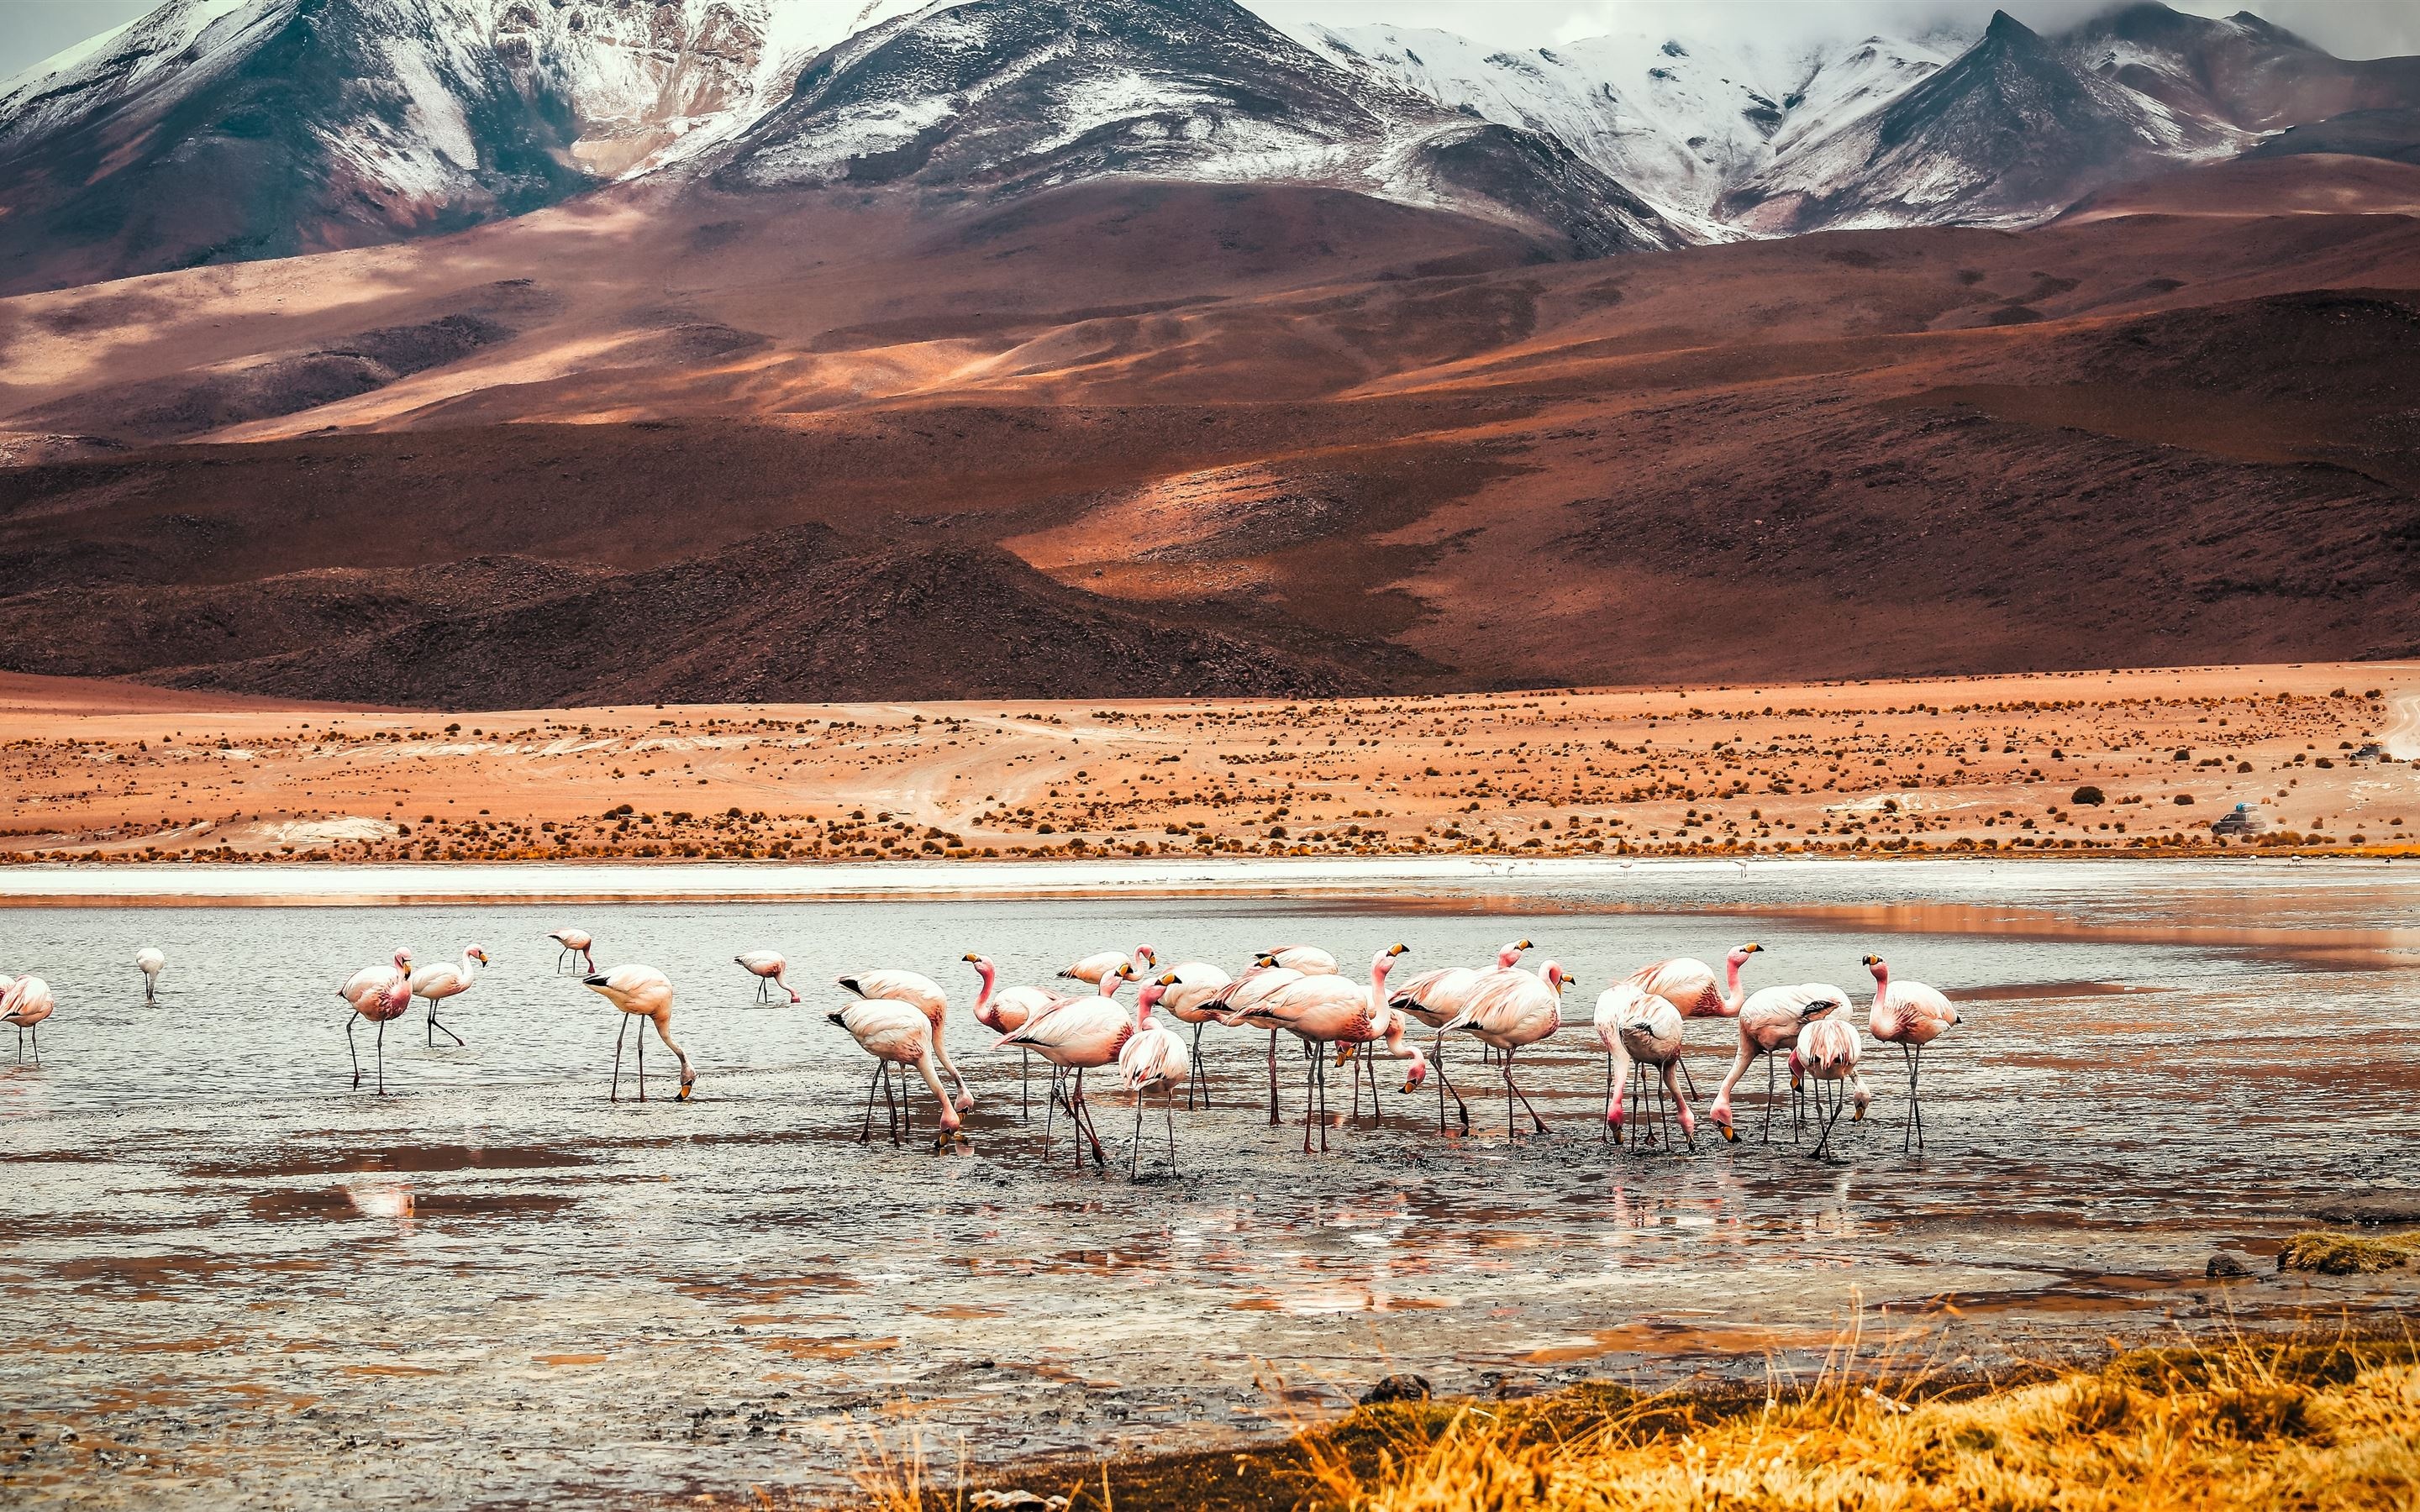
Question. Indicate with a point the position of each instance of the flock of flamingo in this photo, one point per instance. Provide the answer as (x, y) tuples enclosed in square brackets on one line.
[(898, 1017)]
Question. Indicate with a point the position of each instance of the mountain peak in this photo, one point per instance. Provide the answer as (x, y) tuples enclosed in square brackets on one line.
[(2007, 28)]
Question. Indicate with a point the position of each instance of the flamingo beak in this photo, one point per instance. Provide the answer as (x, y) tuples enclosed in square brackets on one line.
[(971, 957), (1343, 1053), (1731, 1135)]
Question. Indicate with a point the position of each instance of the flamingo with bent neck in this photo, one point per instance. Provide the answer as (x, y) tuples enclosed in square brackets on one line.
[(447, 978), (896, 1033), (1910, 1015), (1435, 996), (769, 967), (1106, 963), (1769, 1026), (1688, 984), (1244, 994), (642, 992), (1828, 1051), (1153, 1060), (925, 994), (1637, 1027)]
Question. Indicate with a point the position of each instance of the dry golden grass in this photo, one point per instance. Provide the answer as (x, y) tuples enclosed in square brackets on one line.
[(2247, 1425), (2347, 1254)]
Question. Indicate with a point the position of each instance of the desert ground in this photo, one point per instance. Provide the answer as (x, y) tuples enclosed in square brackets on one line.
[(2129, 761)]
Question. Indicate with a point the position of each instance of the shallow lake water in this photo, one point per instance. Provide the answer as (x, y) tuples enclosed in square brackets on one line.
[(232, 1279)]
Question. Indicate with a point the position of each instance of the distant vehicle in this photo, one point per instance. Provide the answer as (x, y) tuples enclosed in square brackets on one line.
[(2243, 819)]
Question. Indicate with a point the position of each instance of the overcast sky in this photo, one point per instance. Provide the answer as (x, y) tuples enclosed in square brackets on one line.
[(31, 30)]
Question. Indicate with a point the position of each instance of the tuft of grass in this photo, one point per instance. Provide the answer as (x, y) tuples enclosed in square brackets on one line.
[(2346, 1254)]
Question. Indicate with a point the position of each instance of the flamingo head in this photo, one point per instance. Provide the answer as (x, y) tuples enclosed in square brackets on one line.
[(1145, 954), (981, 963), (1510, 956), (1740, 955), (1166, 981), (1721, 1114), (1418, 1071), (688, 1080), (1874, 964), (1148, 998), (403, 957), (1555, 977), (1266, 958), (476, 954)]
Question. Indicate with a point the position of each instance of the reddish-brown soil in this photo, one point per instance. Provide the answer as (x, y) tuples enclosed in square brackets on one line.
[(1204, 440)]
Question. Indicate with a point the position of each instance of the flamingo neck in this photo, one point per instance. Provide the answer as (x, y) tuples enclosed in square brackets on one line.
[(1378, 970), (1733, 998), (1144, 1002), (983, 998), (1110, 982)]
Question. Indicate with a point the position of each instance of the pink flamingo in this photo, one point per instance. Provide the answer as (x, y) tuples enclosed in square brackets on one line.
[(1187, 994), (1636, 1027), (379, 1004), (1322, 1011), (767, 967), (896, 1033), (1510, 1009), (1001, 1008), (25, 1003), (1244, 994), (1828, 1051), (574, 942), (642, 992), (1154, 1059), (926, 995), (1769, 1027), (1910, 1015), (1078, 1034), (1435, 997), (1688, 984), (1106, 963)]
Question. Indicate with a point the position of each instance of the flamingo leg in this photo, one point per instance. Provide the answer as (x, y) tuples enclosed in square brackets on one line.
[(1168, 1112), (1686, 1074), (1084, 1112), (1200, 1077), (1445, 1085), (1686, 1133), (890, 1102), (1515, 1091), (1838, 1102), (436, 1028), (351, 1051), (642, 1038), (1915, 1106), (1024, 1084), (1274, 1119), (866, 1125), (381, 1057), (616, 1094), (1134, 1146), (1604, 1135)]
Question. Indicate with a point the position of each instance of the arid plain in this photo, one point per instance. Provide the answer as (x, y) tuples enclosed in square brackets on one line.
[(2066, 763)]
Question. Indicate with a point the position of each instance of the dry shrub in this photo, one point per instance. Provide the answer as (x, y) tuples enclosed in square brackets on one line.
[(2346, 1254)]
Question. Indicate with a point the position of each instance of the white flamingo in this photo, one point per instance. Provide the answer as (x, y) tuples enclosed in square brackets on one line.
[(642, 992), (384, 995), (1910, 1015), (447, 978), (1187, 994), (896, 1033), (1510, 1009), (766, 967), (574, 942), (1152, 1059), (1106, 963), (1769, 1026), (926, 995), (1434, 997), (1308, 959), (24, 1003), (149, 962)]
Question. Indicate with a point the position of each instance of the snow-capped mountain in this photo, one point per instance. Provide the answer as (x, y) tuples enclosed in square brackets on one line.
[(221, 130), (1010, 95), (1681, 121)]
